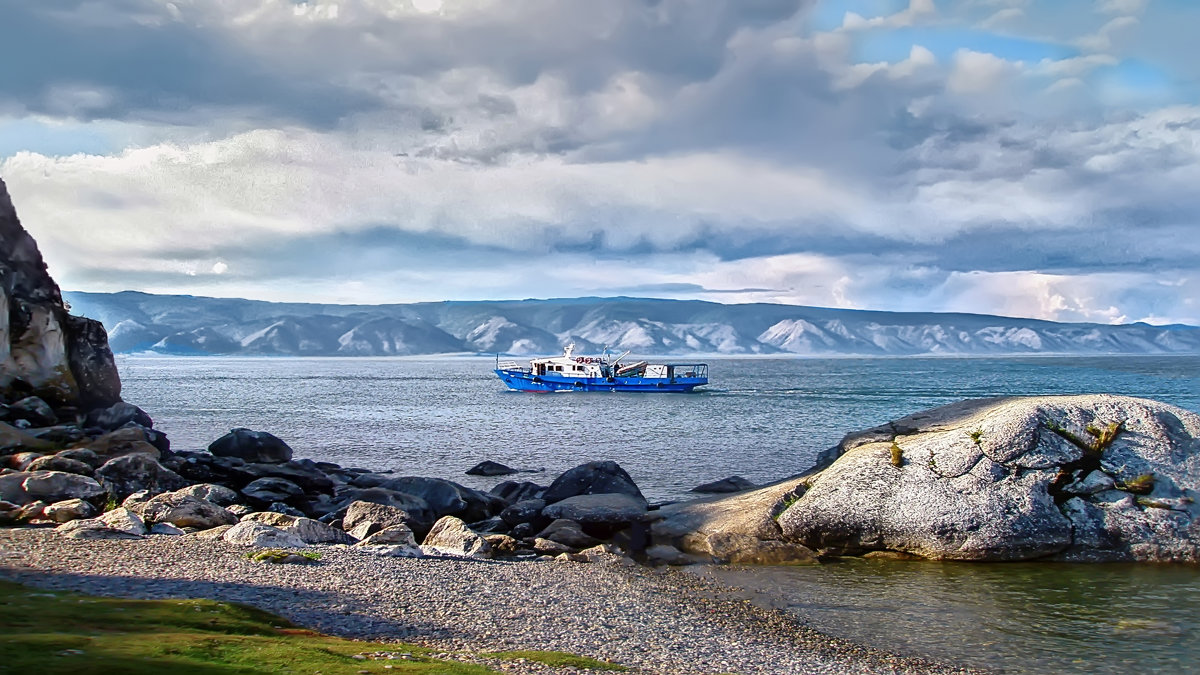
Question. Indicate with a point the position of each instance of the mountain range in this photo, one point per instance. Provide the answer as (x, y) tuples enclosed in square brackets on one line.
[(189, 325)]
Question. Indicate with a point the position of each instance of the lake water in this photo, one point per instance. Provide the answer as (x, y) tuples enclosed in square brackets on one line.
[(763, 419)]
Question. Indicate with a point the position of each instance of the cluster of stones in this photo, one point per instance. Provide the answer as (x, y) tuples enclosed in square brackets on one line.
[(110, 474)]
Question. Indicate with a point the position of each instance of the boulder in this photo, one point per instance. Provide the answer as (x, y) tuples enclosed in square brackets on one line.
[(118, 415), (129, 473), (590, 479), (127, 441), (217, 494), (550, 547), (395, 535), (605, 554), (48, 486), (217, 532), (450, 536), (395, 551), (663, 554), (98, 533), (183, 510), (61, 434), (70, 509), (82, 455), (284, 509), (167, 529), (251, 446), (609, 509), (512, 491), (730, 484), (21, 461), (14, 440), (367, 518), (125, 520), (58, 463), (443, 497), (502, 544), (524, 511), (264, 491), (250, 533), (489, 468), (33, 410), (989, 479), (567, 533), (302, 472), (308, 530)]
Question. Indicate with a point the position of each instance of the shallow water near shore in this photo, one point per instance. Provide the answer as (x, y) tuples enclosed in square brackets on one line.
[(763, 419)]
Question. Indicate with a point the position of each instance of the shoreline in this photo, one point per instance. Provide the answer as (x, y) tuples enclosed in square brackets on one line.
[(650, 620)]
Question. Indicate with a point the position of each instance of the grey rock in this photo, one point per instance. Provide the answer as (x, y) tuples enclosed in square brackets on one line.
[(123, 519), (250, 533), (217, 532), (21, 461), (609, 509), (308, 530), (130, 473), (302, 472), (64, 464), (395, 551), (70, 509), (730, 484), (280, 507), (550, 547), (451, 536), (184, 510), (239, 510), (1094, 482), (251, 446), (379, 515), (82, 455), (47, 486), (99, 533), (592, 478), (980, 481), (664, 554), (167, 529), (125, 441), (217, 494), (395, 535)]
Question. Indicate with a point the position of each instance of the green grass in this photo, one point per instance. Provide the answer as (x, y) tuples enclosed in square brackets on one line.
[(557, 660), (276, 555), (57, 632)]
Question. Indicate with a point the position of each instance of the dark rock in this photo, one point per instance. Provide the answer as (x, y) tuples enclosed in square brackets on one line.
[(490, 468), (202, 467), (63, 434), (251, 446), (285, 510), (590, 479), (33, 410), (302, 472), (58, 463), (568, 533), (444, 497), (524, 511), (126, 441), (730, 484), (524, 530), (91, 362), (125, 475), (607, 509), (21, 460), (369, 480), (153, 436), (264, 491), (118, 415), (511, 491), (492, 525), (217, 494)]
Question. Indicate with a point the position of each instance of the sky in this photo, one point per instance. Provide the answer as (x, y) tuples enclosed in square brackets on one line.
[(1033, 158)]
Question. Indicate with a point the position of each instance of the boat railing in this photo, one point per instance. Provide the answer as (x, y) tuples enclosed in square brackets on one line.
[(508, 365)]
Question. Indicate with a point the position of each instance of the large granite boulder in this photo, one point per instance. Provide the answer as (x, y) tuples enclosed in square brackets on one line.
[(363, 519), (451, 536), (309, 530), (591, 479), (183, 510), (128, 474), (1056, 477), (251, 446), (60, 463), (44, 351), (250, 533)]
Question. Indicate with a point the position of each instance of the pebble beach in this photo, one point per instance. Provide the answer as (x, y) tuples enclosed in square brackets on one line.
[(650, 620)]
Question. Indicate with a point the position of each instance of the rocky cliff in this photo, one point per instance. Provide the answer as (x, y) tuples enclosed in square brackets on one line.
[(44, 351)]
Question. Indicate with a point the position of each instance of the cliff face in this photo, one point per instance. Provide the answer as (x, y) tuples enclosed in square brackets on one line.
[(44, 350)]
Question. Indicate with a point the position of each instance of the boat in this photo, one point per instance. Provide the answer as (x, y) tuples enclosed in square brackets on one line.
[(598, 373)]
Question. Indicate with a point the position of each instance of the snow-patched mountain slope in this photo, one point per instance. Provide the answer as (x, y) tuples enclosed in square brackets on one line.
[(191, 325)]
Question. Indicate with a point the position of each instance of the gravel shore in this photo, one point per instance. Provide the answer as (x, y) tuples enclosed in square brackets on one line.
[(653, 621)]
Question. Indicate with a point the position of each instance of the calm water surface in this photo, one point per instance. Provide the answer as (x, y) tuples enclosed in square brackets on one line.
[(763, 419)]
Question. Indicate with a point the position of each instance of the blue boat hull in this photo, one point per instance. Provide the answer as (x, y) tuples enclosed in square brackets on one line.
[(520, 380)]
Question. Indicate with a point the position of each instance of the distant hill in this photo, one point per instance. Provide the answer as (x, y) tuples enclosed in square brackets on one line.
[(183, 324)]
